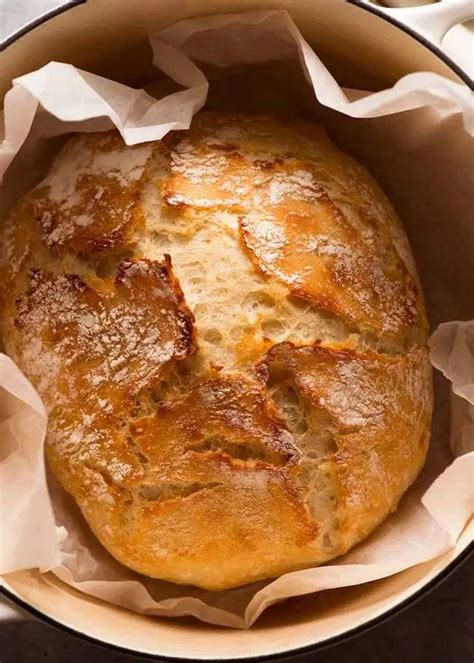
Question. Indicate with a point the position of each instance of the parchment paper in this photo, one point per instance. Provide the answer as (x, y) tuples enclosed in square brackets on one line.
[(416, 139)]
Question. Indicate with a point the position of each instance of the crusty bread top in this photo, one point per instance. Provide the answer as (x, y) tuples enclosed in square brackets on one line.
[(228, 332)]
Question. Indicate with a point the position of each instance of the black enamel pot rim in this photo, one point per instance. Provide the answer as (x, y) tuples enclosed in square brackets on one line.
[(358, 630)]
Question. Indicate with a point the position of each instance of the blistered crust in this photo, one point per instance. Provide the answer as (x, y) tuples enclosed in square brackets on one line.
[(190, 464)]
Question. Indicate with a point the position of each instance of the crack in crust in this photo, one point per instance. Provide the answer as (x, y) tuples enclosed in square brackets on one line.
[(170, 491), (295, 226), (370, 405), (230, 418)]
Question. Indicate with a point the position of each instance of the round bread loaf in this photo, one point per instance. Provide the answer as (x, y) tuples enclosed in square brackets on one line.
[(228, 333)]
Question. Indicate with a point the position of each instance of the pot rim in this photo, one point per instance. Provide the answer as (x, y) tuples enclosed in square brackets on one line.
[(280, 656), (351, 633), (436, 50), (39, 20)]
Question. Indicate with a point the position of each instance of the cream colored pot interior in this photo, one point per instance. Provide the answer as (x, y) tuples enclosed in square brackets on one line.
[(362, 51), (359, 48)]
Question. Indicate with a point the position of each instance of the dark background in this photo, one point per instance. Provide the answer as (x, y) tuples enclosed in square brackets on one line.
[(439, 628)]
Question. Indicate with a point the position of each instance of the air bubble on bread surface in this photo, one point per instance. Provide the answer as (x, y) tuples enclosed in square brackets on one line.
[(213, 336), (274, 329), (257, 301)]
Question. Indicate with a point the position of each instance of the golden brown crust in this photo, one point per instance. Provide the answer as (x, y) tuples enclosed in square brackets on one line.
[(190, 464), (218, 458), (371, 405), (297, 234), (90, 349), (293, 229), (20, 240), (92, 205), (108, 339)]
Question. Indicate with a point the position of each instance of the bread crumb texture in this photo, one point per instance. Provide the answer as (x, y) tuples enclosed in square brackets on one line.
[(229, 335)]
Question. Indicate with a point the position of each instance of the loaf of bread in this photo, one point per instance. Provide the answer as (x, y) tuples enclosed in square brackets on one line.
[(228, 332)]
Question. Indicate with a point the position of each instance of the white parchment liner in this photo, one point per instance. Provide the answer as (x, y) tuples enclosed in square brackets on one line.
[(416, 139)]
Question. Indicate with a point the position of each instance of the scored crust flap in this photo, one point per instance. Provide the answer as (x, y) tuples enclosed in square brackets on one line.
[(89, 200)]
